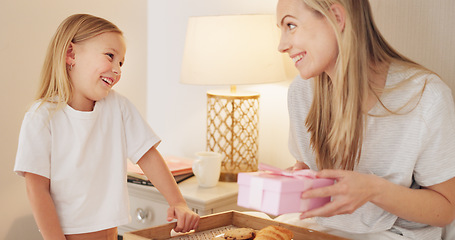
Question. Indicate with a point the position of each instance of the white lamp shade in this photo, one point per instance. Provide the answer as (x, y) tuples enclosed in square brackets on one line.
[(232, 50)]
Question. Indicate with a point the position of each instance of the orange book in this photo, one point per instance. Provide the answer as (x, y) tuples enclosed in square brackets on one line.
[(177, 166)]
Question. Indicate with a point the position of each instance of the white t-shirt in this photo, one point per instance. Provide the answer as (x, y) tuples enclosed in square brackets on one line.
[(412, 150), (84, 155)]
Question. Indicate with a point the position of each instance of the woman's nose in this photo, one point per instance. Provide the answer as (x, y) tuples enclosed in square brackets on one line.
[(283, 46)]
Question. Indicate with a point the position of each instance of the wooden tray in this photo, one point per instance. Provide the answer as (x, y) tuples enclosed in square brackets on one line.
[(219, 220)]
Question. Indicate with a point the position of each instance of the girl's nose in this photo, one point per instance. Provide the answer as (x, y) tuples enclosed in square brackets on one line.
[(116, 70)]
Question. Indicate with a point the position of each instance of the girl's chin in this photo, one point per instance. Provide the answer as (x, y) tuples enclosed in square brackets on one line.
[(101, 96)]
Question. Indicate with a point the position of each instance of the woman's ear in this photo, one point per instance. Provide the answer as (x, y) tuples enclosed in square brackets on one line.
[(70, 56), (340, 15)]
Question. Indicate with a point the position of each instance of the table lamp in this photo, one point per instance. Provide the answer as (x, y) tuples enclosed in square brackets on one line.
[(233, 50)]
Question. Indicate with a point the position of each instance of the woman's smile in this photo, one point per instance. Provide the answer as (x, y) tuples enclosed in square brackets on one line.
[(297, 58)]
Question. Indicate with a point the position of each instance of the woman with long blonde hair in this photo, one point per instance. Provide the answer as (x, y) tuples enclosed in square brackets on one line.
[(380, 124)]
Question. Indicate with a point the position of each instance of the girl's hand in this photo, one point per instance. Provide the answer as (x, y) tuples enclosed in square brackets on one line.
[(351, 191), (186, 219)]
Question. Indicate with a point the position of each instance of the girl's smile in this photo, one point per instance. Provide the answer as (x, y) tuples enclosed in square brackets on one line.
[(96, 68)]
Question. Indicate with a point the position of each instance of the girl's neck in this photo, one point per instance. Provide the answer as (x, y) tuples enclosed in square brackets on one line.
[(84, 106)]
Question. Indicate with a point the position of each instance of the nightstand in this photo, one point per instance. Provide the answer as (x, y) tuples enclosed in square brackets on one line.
[(148, 207)]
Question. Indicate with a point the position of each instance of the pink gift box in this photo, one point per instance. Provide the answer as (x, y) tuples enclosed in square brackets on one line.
[(279, 192)]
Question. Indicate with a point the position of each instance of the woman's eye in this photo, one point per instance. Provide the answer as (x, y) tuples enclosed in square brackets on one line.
[(291, 26)]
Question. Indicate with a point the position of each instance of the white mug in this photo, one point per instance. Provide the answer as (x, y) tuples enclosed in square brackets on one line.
[(206, 168)]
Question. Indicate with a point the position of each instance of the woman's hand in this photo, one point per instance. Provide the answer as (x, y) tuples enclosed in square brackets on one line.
[(350, 191), (298, 166), (186, 219)]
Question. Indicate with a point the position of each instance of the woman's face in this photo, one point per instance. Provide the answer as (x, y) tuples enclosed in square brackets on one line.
[(307, 37)]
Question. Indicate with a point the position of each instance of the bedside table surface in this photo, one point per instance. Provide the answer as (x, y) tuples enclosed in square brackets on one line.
[(192, 191)]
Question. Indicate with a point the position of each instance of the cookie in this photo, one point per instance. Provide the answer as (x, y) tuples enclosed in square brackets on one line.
[(240, 234)]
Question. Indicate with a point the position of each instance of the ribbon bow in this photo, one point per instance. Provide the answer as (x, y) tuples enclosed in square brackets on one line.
[(304, 173)]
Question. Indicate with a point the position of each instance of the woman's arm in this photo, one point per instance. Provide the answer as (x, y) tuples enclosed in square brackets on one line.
[(434, 205), (38, 191), (156, 170)]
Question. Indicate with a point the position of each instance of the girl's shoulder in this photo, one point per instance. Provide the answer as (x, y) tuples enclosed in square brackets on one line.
[(116, 97), (42, 108), (40, 113), (116, 100)]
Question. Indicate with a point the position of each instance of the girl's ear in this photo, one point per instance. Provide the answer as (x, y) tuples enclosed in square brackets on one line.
[(70, 56), (340, 15)]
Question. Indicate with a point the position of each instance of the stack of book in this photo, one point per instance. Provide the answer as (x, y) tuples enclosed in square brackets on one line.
[(181, 169)]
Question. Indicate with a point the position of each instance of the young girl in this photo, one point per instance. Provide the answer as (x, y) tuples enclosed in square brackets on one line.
[(75, 140), (380, 124)]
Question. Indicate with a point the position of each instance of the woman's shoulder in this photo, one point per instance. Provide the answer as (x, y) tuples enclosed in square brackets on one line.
[(414, 79), (401, 74)]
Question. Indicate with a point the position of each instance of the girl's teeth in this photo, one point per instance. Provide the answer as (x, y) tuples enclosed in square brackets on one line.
[(107, 80)]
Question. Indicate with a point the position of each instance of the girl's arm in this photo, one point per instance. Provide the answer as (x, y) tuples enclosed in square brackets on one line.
[(156, 170), (434, 205), (43, 207)]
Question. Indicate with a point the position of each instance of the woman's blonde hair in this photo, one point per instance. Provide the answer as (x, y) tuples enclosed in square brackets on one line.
[(55, 85), (338, 114)]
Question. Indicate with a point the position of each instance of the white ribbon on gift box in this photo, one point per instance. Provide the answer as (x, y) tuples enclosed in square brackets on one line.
[(257, 184), (256, 192)]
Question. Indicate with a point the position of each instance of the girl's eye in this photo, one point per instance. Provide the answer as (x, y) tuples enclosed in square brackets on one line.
[(110, 55), (291, 26)]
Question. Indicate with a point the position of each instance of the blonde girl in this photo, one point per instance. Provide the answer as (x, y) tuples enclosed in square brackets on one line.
[(76, 138), (367, 116)]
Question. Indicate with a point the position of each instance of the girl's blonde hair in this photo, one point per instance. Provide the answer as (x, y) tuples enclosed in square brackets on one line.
[(338, 114), (55, 85)]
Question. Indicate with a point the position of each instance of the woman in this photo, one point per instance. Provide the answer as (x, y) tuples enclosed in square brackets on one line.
[(377, 122)]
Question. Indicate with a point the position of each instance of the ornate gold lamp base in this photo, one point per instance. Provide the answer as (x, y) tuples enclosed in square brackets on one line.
[(232, 130)]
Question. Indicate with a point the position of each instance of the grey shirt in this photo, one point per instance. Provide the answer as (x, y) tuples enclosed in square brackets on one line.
[(414, 149)]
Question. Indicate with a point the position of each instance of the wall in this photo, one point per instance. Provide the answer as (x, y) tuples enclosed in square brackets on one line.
[(26, 29), (420, 29)]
